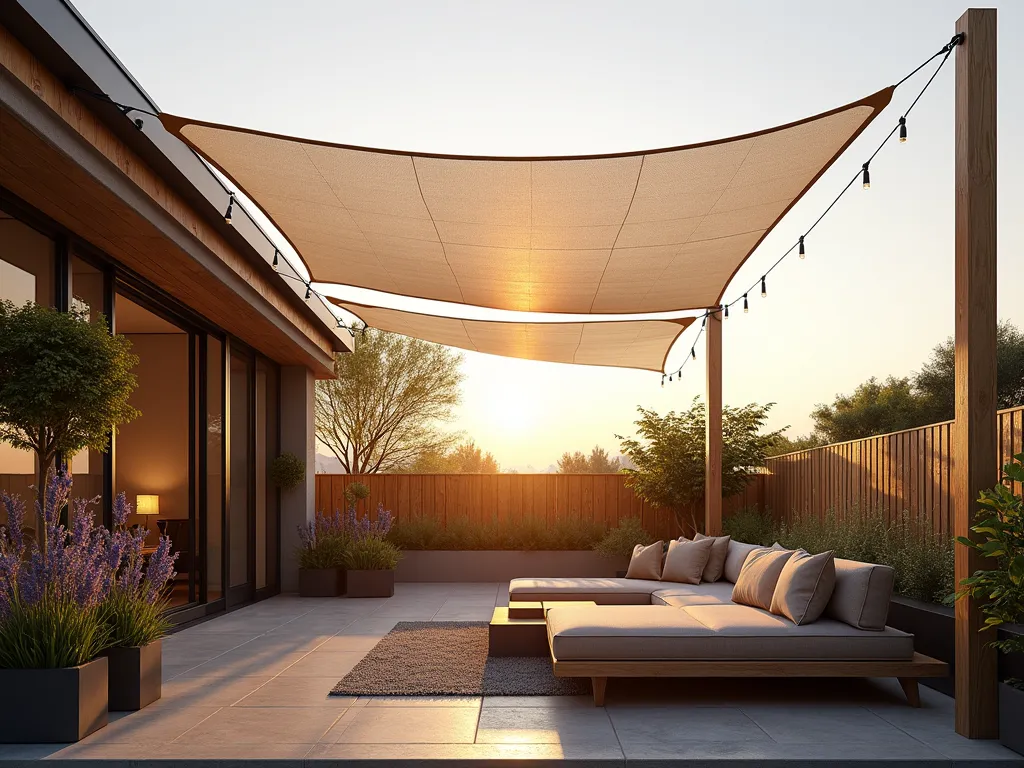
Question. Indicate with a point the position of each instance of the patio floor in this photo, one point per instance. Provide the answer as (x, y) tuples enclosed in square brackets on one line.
[(252, 685)]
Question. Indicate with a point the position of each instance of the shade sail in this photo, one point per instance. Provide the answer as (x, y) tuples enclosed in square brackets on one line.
[(629, 344), (650, 231)]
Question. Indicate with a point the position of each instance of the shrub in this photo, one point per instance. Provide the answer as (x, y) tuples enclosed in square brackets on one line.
[(356, 492), (1000, 527), (751, 526), (372, 554), (621, 540), (51, 633), (323, 542), (287, 471)]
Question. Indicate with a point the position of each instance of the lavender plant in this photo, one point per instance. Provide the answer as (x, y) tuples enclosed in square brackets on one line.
[(370, 550), (323, 542), (359, 528)]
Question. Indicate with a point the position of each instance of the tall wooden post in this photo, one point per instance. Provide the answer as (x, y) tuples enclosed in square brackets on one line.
[(713, 428), (975, 457)]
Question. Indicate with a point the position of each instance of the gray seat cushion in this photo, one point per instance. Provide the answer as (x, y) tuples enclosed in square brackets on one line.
[(601, 591), (862, 594), (711, 632), (716, 593)]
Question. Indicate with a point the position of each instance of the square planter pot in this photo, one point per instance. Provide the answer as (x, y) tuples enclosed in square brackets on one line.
[(321, 582), (53, 705), (370, 583), (1011, 716), (134, 676)]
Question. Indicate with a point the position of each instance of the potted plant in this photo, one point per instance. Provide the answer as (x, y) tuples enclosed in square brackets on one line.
[(1000, 530), (618, 543), (51, 634), (370, 559), (133, 613), (287, 471), (321, 555)]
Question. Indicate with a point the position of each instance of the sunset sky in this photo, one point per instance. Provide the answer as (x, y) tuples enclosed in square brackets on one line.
[(875, 292)]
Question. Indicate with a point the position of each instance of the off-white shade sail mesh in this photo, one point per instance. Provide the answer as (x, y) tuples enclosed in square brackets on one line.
[(630, 344), (649, 231)]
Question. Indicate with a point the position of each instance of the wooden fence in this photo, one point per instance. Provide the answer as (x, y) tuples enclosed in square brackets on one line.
[(603, 499), (886, 474)]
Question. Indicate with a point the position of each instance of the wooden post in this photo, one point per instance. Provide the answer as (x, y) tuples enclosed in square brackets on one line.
[(713, 428), (974, 438)]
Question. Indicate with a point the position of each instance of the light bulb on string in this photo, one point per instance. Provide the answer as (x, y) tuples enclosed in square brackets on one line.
[(764, 289), (231, 205), (867, 177), (801, 251), (746, 306), (309, 292), (903, 130), (274, 265), (693, 352), (726, 311)]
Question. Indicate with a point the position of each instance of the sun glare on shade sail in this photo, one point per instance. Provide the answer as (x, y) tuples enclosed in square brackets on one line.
[(640, 344), (651, 231)]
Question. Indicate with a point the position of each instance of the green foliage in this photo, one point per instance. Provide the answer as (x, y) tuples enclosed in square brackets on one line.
[(328, 552), (620, 541), (751, 526), (530, 535), (922, 560), (784, 444), (287, 471), (51, 634), (597, 463), (131, 620), (385, 406), (64, 382), (999, 528), (669, 455), (372, 554), (463, 459), (356, 492)]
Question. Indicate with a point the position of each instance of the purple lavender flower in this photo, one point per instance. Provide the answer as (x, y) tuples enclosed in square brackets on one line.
[(122, 509), (160, 569)]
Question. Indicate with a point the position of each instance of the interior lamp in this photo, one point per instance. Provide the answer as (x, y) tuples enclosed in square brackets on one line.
[(148, 506)]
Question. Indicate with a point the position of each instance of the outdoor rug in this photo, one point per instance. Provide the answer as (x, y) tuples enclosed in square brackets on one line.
[(449, 658)]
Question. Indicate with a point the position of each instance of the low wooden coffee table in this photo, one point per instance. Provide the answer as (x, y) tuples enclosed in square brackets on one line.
[(520, 628)]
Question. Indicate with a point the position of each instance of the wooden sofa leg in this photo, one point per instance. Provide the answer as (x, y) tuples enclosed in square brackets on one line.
[(909, 685), (600, 685)]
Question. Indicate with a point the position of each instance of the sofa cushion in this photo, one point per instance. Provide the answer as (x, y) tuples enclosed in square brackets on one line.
[(862, 594), (646, 561), (601, 591), (804, 587), (735, 557), (760, 574), (685, 560), (711, 632), (716, 562), (699, 594)]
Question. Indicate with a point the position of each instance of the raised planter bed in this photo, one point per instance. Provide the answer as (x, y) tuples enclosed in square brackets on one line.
[(503, 565), (321, 582), (370, 583), (52, 706), (934, 630), (134, 676), (1011, 718)]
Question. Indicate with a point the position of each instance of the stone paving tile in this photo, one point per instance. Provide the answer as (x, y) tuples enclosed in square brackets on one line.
[(162, 755), (420, 701), (323, 664), (815, 724), (376, 627), (296, 692), (152, 725), (534, 725), (679, 725), (207, 691), (466, 755), (243, 663), (405, 725), (544, 702), (263, 725)]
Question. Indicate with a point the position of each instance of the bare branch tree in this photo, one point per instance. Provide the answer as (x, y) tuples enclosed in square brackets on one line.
[(386, 406)]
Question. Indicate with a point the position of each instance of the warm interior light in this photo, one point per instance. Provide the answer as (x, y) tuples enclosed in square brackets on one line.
[(147, 504)]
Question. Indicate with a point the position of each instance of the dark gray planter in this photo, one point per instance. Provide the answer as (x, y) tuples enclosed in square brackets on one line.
[(321, 582), (134, 676), (49, 706), (370, 583), (1011, 718)]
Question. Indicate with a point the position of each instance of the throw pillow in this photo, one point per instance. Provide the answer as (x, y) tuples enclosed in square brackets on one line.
[(719, 551), (686, 560), (760, 574), (645, 562), (804, 587), (737, 556)]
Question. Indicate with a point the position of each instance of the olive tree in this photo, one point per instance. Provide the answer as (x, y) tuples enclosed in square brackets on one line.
[(64, 384)]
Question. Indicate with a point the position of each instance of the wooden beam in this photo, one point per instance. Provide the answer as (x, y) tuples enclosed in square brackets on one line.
[(974, 437), (713, 428)]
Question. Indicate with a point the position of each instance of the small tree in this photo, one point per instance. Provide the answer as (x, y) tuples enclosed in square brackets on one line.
[(64, 384), (669, 454)]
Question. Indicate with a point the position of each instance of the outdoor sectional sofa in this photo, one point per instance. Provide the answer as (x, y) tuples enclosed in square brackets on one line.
[(646, 628)]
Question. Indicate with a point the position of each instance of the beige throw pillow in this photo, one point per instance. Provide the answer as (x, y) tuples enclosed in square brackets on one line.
[(716, 563), (804, 587), (686, 560), (646, 562), (738, 552), (760, 574)]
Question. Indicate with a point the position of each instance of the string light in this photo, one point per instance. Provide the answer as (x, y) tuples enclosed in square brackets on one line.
[(693, 351), (726, 307), (801, 254), (746, 306), (231, 204), (276, 254), (309, 292), (903, 130), (764, 288), (867, 176)]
